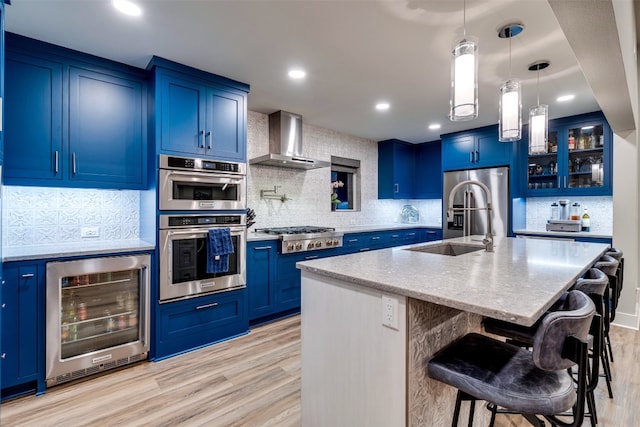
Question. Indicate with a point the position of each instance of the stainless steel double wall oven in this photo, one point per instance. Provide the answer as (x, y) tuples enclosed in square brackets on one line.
[(196, 195)]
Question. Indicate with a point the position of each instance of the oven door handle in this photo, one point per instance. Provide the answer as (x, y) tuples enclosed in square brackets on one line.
[(202, 231), (209, 177)]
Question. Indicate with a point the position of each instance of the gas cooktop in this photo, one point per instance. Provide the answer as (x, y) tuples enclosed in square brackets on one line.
[(305, 238), (304, 229)]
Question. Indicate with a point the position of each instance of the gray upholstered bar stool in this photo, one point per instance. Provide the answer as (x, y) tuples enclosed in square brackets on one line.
[(618, 255), (609, 266), (523, 381), (594, 284)]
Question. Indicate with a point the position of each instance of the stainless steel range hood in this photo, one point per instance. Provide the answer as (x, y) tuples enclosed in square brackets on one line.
[(285, 144)]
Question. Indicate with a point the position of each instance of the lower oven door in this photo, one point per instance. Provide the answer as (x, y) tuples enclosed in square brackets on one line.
[(183, 263)]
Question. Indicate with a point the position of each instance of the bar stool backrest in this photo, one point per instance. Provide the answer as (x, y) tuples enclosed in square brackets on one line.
[(607, 264), (573, 318), (615, 253), (594, 281)]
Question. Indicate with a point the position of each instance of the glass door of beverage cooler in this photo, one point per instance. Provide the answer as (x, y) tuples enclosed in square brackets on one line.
[(98, 311), (97, 315)]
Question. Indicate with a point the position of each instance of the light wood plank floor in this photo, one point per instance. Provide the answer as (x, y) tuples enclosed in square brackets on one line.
[(253, 380)]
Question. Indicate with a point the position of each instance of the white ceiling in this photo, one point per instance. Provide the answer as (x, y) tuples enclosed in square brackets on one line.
[(356, 52)]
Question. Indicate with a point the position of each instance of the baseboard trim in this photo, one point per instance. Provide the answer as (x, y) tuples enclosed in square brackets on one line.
[(626, 320)]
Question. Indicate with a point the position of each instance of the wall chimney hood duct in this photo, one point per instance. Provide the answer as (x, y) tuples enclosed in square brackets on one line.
[(285, 144)]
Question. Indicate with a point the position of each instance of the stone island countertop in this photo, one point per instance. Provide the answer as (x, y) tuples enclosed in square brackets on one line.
[(518, 282)]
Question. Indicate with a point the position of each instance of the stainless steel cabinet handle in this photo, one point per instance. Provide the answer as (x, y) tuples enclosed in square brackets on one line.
[(311, 257), (558, 181), (27, 275), (261, 248), (352, 240), (375, 238), (471, 156), (565, 182), (55, 161), (73, 163), (411, 234), (396, 188), (201, 307), (201, 139), (210, 136), (394, 236), (365, 249), (477, 156), (4, 355), (3, 305)]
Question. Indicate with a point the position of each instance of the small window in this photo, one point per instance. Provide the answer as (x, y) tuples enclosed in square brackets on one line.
[(345, 184)]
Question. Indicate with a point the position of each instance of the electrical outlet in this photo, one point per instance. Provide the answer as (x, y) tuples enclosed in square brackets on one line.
[(89, 232), (390, 312)]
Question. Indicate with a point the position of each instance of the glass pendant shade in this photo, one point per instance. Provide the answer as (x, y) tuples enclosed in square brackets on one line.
[(510, 123), (464, 81), (538, 128)]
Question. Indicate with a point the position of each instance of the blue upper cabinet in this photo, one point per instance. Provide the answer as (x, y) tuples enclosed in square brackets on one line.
[(409, 171), (197, 113), (33, 119), (106, 126), (395, 169), (428, 170), (577, 161), (73, 119), (1, 80), (473, 149)]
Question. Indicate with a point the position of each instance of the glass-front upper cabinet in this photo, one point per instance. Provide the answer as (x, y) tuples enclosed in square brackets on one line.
[(578, 160)]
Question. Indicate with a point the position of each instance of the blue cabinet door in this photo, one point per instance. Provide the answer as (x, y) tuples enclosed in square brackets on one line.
[(261, 265), (199, 118), (225, 136), (182, 115), (490, 151), (106, 119), (197, 322), (458, 152), (428, 171), (32, 119), (395, 170), (22, 326)]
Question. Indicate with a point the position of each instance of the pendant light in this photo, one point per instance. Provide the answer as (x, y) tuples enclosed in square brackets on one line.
[(464, 77), (538, 117), (510, 117)]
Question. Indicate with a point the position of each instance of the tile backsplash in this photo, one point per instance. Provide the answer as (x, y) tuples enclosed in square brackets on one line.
[(42, 215), (309, 191), (538, 211)]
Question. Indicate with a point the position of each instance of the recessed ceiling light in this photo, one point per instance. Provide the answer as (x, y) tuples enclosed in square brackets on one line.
[(382, 106), (297, 73), (565, 98), (127, 7), (434, 126)]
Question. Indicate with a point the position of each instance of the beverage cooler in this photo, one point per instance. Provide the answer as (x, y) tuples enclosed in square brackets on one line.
[(97, 315)]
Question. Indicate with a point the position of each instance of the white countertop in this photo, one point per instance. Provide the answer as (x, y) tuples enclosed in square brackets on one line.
[(562, 233), (24, 253), (253, 236), (518, 282)]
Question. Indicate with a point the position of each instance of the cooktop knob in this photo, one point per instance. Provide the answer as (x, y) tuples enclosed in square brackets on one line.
[(336, 242), (318, 244), (290, 247), (329, 242), (310, 245), (298, 246)]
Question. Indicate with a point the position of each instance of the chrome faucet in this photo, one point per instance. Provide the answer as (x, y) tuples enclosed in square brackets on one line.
[(488, 238)]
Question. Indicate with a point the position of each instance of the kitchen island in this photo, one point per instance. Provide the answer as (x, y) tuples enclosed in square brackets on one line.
[(371, 321)]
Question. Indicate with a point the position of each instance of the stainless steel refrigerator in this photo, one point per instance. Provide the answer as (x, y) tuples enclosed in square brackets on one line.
[(474, 222)]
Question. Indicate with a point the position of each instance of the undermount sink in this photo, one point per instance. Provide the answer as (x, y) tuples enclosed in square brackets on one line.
[(450, 249)]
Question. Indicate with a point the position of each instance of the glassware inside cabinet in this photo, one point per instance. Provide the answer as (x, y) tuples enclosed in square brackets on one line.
[(585, 162), (543, 168), (99, 310)]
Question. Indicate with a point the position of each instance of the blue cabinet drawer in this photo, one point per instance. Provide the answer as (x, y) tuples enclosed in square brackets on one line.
[(187, 325)]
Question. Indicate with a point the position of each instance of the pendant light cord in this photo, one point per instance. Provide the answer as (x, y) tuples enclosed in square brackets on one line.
[(464, 19), (510, 37), (538, 85)]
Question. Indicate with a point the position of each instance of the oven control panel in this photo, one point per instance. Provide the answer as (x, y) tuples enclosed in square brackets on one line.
[(201, 165), (174, 221)]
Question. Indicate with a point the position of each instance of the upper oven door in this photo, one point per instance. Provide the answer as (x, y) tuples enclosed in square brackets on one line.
[(183, 263), (182, 190)]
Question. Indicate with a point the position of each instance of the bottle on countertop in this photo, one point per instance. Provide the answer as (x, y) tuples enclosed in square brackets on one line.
[(586, 220), (572, 141), (555, 211)]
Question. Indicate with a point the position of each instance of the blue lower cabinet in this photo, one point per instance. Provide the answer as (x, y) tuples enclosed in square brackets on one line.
[(197, 322), (23, 351), (432, 234), (261, 278)]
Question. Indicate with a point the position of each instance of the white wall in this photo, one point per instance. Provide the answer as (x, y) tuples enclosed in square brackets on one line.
[(310, 192)]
